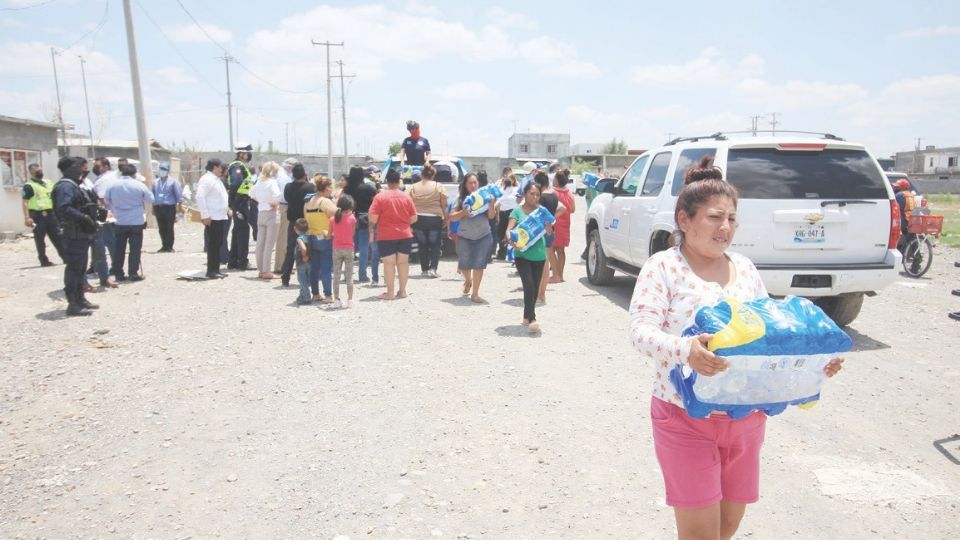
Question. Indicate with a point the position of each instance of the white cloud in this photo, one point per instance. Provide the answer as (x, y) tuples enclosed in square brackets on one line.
[(925, 102), (190, 33), (931, 31), (556, 58), (708, 68), (799, 94), (503, 18), (173, 75), (464, 91)]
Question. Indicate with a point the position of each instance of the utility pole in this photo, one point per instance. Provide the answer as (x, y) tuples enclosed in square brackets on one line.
[(226, 62), (145, 163), (286, 135), (83, 75), (327, 44), (343, 105), (670, 135), (754, 121), (773, 122), (56, 83), (917, 162)]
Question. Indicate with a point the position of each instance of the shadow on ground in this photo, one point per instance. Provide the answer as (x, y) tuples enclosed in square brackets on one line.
[(617, 292), (55, 315), (515, 330), (862, 342)]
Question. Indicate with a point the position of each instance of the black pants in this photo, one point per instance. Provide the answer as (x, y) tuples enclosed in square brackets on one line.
[(252, 215), (287, 267), (132, 235), (214, 235), (75, 254), (428, 231), (530, 274), (240, 241), (44, 226), (166, 217), (501, 233)]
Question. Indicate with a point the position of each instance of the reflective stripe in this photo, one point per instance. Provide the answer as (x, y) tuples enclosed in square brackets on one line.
[(42, 196), (247, 184)]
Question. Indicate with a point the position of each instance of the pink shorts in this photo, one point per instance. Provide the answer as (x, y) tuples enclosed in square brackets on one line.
[(707, 460)]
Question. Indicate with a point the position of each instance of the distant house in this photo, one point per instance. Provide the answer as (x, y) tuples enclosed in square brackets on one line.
[(22, 142), (78, 145), (538, 146), (931, 160)]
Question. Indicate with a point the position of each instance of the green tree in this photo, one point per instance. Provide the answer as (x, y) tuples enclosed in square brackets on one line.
[(580, 166), (394, 149), (615, 147)]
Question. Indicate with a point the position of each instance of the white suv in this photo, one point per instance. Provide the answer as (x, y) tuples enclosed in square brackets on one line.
[(816, 215)]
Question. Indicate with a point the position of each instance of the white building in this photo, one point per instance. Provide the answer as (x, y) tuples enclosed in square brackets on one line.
[(930, 160), (538, 146)]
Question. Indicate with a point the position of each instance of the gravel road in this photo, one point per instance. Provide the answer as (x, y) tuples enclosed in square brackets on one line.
[(220, 410)]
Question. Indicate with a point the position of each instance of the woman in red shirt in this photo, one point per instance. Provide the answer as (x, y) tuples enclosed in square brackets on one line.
[(562, 226), (393, 211)]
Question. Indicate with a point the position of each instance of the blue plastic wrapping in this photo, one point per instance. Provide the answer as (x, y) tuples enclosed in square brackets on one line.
[(590, 180), (408, 171), (531, 229), (777, 350), (479, 201)]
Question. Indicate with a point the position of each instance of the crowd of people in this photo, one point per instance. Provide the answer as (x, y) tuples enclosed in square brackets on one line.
[(298, 222)]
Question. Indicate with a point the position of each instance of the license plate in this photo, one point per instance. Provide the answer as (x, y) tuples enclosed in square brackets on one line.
[(809, 234)]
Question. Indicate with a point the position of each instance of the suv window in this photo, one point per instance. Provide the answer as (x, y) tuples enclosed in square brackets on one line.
[(688, 158), (767, 173), (657, 174), (631, 179)]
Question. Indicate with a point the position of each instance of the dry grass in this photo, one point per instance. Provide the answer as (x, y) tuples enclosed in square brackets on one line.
[(947, 206)]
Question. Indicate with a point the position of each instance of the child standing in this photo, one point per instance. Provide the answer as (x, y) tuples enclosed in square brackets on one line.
[(344, 224), (302, 255)]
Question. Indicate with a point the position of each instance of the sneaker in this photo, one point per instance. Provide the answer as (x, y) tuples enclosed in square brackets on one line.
[(955, 292), (375, 283), (337, 304), (425, 273), (534, 327), (955, 315), (434, 274)]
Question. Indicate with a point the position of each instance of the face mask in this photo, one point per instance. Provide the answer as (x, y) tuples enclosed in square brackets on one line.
[(38, 175), (415, 133)]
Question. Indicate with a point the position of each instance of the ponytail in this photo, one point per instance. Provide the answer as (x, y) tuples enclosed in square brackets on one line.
[(339, 214)]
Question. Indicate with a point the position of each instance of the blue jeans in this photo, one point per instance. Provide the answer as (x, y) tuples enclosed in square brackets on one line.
[(367, 252), (303, 277), (428, 230), (321, 265), (106, 243)]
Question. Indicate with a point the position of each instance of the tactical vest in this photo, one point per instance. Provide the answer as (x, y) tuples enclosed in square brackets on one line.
[(42, 199), (247, 184)]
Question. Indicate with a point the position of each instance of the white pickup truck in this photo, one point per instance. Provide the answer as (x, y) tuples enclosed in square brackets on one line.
[(816, 215)]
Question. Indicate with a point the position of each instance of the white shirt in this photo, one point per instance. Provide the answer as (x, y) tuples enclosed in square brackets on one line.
[(283, 178), (509, 199), (267, 194), (211, 197)]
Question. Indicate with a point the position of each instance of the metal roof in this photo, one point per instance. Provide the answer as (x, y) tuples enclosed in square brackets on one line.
[(28, 122)]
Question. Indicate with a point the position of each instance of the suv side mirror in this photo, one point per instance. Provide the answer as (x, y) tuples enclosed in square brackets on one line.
[(607, 185)]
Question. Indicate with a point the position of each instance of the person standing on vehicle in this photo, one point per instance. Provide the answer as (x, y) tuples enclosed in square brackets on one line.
[(431, 202), (126, 199), (213, 203), (710, 466), (168, 200), (507, 202), (76, 212), (241, 182), (38, 213), (363, 193), (296, 193), (414, 150)]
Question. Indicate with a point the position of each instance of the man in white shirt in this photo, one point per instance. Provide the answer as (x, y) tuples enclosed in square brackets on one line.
[(212, 200), (284, 177)]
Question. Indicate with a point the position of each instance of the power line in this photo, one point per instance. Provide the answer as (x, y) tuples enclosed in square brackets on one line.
[(177, 49), (21, 8), (96, 29), (237, 62)]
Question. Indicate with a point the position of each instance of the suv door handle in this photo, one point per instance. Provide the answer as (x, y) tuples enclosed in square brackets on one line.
[(626, 210), (651, 209)]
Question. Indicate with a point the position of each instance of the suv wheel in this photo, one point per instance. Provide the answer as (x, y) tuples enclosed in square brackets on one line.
[(597, 270), (843, 308)]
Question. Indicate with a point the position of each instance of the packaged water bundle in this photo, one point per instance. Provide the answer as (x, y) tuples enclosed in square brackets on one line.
[(408, 171), (590, 180), (479, 201), (531, 229), (777, 350)]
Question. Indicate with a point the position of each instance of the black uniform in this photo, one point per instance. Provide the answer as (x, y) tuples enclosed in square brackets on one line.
[(244, 215), (77, 213)]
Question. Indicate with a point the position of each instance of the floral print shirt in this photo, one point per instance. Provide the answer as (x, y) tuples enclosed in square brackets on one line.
[(666, 296)]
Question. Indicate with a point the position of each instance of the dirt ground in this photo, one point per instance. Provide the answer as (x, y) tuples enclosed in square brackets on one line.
[(220, 410)]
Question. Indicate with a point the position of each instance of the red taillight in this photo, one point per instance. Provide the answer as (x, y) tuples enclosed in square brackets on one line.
[(894, 225), (801, 146)]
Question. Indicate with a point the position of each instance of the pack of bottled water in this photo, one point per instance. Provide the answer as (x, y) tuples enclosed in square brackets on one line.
[(532, 228), (776, 349), (479, 201)]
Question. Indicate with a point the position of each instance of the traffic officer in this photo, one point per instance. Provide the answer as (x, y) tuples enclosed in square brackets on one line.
[(38, 213), (241, 181), (77, 213)]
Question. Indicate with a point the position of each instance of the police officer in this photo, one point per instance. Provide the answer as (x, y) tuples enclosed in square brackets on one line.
[(241, 181), (38, 213), (77, 212)]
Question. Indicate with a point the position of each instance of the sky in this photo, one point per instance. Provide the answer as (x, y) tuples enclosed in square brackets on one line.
[(882, 73)]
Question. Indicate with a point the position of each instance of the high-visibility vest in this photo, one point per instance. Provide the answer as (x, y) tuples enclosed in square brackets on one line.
[(247, 184), (42, 196), (909, 203)]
